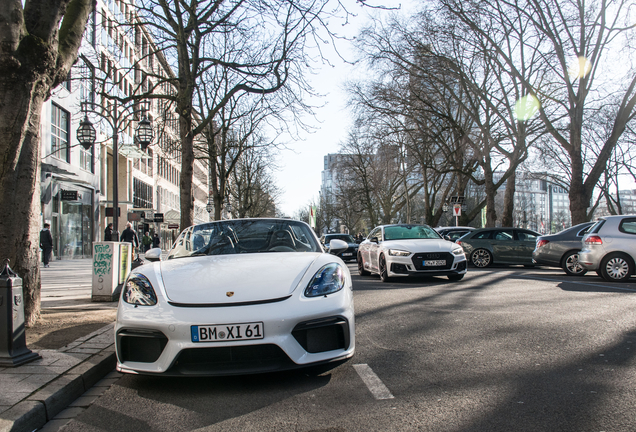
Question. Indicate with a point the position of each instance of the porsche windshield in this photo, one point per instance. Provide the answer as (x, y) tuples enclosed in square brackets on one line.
[(245, 236), (410, 232)]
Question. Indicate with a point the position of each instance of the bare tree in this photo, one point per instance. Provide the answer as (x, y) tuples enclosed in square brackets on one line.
[(253, 192), (40, 41), (578, 43), (247, 46)]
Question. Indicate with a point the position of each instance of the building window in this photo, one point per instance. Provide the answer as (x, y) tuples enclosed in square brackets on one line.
[(142, 194), (60, 122)]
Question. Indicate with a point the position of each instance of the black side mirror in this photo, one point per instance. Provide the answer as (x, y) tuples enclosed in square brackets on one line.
[(374, 240)]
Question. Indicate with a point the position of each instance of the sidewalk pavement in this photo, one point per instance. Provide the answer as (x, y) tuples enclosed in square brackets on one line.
[(40, 391)]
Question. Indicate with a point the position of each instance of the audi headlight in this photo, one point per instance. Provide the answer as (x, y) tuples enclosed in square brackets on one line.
[(138, 291), (458, 251), (328, 280), (396, 252)]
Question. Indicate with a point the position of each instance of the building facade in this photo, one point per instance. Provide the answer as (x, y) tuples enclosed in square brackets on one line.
[(77, 183)]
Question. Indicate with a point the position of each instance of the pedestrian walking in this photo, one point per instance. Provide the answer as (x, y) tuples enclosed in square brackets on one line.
[(108, 232), (46, 243), (130, 236), (156, 241), (146, 240)]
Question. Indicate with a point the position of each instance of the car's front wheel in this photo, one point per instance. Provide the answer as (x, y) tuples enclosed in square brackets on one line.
[(361, 270), (616, 267), (571, 265), (384, 272), (481, 258)]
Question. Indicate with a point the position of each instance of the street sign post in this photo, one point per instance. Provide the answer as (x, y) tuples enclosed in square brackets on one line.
[(457, 212)]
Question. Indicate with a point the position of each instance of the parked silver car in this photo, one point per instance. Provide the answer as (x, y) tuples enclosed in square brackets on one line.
[(609, 248), (562, 249)]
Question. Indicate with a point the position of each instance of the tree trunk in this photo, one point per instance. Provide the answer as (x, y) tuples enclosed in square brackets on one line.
[(509, 201), (187, 170), (40, 40), (20, 113)]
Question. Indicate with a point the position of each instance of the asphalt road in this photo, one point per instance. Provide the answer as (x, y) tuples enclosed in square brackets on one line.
[(506, 349)]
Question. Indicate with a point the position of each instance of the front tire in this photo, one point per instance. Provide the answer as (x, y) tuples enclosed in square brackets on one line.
[(571, 265), (384, 272), (481, 258), (616, 267), (361, 270)]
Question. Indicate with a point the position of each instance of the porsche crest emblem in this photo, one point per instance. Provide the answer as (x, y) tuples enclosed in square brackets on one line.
[(229, 293)]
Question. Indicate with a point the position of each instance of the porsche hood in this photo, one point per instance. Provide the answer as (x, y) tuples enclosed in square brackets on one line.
[(225, 279)]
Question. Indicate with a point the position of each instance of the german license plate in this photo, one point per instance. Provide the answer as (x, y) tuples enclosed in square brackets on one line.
[(227, 332), (434, 263)]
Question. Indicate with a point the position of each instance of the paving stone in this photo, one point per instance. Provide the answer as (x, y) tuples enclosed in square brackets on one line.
[(54, 425), (69, 413), (95, 391), (106, 382), (44, 370), (58, 394), (25, 416), (13, 397), (84, 401), (81, 350)]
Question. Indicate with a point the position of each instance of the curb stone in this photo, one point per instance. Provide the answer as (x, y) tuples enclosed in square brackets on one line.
[(48, 401)]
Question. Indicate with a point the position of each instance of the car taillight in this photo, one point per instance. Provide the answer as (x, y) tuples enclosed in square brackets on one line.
[(594, 240), (542, 242), (458, 242)]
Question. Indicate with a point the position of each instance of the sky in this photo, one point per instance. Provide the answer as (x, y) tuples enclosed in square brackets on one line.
[(300, 167)]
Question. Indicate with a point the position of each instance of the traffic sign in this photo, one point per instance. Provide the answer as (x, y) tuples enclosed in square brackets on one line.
[(457, 210), (158, 217)]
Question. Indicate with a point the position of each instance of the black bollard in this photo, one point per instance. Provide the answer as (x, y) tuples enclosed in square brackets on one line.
[(13, 349)]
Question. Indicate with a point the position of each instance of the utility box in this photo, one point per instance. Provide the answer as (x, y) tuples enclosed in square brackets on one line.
[(111, 265), (13, 349)]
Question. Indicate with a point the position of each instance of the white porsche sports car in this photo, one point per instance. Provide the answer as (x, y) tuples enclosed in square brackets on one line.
[(236, 297), (410, 250)]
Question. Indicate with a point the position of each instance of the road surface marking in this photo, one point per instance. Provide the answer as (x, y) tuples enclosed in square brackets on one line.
[(374, 384)]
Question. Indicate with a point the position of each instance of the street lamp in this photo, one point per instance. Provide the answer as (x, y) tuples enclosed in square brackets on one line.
[(210, 206), (144, 133), (86, 133), (117, 120)]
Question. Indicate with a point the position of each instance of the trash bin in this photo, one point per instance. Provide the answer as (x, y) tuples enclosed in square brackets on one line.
[(13, 349), (111, 265)]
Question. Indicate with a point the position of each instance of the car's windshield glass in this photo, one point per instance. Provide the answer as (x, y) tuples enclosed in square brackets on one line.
[(406, 232), (344, 237), (245, 236)]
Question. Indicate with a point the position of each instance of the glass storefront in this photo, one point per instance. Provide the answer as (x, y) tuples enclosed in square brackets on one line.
[(72, 215)]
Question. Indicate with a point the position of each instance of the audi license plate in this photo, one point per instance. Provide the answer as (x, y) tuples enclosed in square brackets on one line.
[(434, 263), (227, 332)]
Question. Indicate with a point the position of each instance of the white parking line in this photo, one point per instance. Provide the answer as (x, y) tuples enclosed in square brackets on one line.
[(374, 384), (576, 282)]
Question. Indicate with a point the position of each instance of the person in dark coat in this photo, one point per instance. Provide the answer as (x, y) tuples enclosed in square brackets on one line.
[(156, 241), (108, 232), (129, 235), (46, 243)]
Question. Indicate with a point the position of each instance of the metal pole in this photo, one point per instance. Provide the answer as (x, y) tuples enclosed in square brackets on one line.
[(115, 181)]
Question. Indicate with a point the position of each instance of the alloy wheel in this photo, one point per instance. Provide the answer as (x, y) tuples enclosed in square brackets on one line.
[(481, 258)]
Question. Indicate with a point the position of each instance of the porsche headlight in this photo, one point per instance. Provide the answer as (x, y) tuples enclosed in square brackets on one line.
[(458, 251), (138, 291), (329, 279), (396, 252)]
